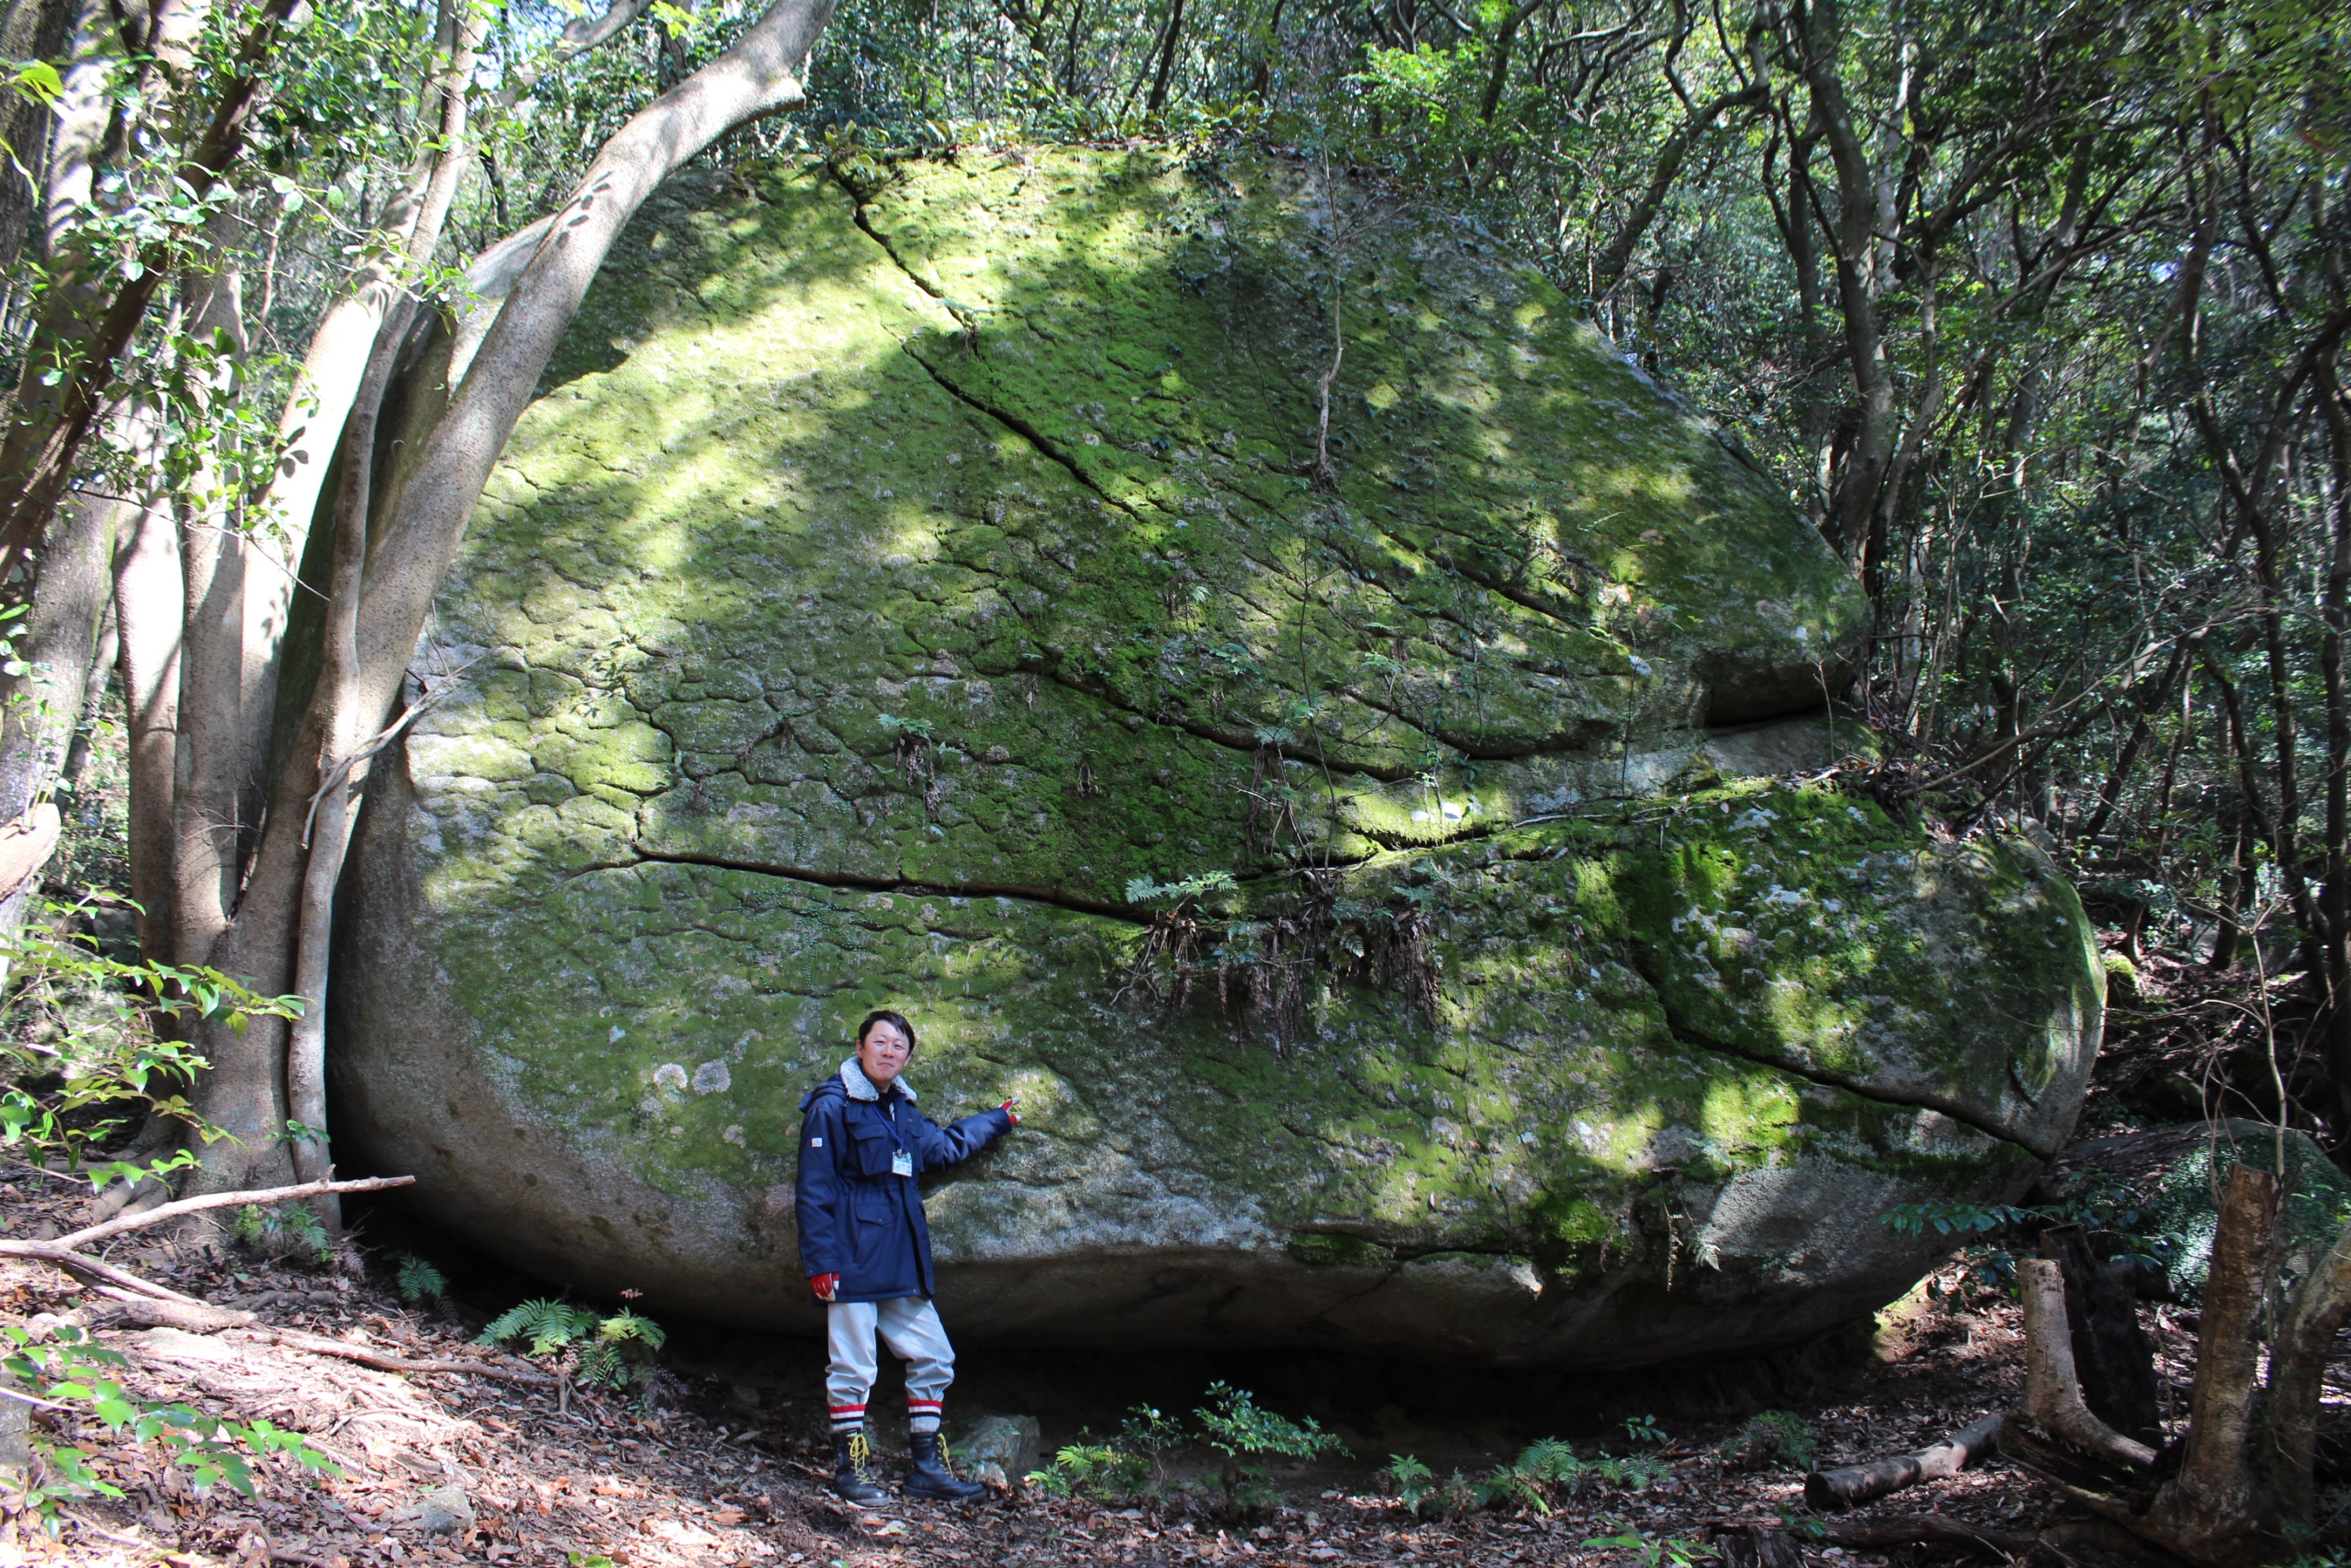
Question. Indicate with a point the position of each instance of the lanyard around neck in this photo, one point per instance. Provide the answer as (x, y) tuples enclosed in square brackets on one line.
[(890, 1121)]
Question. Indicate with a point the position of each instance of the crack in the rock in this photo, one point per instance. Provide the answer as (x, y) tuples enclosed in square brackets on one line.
[(1682, 1029), (1014, 422), (911, 886), (1232, 741)]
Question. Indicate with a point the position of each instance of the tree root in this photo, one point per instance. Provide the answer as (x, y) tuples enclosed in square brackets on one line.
[(147, 1312), (383, 1361)]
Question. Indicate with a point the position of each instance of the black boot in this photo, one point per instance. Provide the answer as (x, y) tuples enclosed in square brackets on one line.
[(853, 1476), (929, 1476)]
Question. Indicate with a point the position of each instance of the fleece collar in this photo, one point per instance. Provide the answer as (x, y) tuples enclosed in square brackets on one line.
[(860, 1087)]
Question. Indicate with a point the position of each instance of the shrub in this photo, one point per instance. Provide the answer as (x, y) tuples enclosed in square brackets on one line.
[(1118, 1470), (1546, 1472), (1233, 1424)]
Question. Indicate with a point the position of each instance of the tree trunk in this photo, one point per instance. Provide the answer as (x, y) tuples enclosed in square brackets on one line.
[(2335, 896), (43, 708), (93, 694), (426, 522), (1859, 279), (2304, 1344), (146, 611), (2149, 698), (1497, 73), (2236, 892), (2218, 1509), (325, 837), (1610, 269), (1166, 71), (2052, 1388), (320, 402), (213, 806), (2112, 1354), (2222, 1509)]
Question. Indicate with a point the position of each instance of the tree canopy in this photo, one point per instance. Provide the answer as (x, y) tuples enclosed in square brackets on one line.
[(2035, 309)]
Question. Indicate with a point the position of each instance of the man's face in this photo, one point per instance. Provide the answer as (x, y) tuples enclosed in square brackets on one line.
[(882, 1054)]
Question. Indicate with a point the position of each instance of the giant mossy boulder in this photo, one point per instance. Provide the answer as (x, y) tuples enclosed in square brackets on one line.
[(932, 586)]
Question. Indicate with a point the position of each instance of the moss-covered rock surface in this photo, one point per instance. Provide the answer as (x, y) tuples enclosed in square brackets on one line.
[(938, 587)]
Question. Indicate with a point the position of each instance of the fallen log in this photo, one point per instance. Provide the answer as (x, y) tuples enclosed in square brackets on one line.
[(383, 1361), (1849, 1486), (91, 1271), (186, 1206)]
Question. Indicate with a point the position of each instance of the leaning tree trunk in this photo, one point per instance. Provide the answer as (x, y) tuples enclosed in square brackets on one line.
[(244, 1092)]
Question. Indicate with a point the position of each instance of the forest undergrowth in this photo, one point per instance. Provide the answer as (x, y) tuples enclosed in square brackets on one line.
[(678, 1460), (447, 1466)]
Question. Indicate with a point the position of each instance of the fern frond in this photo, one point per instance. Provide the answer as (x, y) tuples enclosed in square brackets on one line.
[(549, 1325), (1550, 1459), (626, 1324)]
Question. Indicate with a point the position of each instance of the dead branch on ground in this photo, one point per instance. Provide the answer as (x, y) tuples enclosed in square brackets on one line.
[(66, 1252)]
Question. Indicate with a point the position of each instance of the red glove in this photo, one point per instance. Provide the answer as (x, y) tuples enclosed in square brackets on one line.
[(825, 1286), (1008, 1110)]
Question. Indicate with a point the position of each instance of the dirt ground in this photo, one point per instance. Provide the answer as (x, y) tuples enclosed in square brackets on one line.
[(726, 1461)]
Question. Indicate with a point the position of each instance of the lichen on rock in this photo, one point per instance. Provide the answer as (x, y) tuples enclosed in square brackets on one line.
[(896, 581)]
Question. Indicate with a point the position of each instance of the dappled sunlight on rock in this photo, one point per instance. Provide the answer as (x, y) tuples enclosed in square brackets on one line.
[(896, 598)]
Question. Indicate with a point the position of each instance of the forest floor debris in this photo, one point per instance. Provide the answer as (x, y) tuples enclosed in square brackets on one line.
[(446, 1467)]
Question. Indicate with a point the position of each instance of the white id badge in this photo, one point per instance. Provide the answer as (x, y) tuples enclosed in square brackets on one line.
[(902, 1163)]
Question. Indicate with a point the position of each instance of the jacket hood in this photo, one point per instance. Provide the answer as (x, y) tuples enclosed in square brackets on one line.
[(860, 1087)]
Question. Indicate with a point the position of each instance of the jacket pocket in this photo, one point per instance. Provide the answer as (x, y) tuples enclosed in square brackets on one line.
[(870, 1150)]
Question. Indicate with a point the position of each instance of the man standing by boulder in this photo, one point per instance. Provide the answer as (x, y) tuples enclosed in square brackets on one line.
[(866, 1249)]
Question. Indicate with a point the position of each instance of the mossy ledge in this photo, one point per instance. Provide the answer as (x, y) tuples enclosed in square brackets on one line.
[(890, 572)]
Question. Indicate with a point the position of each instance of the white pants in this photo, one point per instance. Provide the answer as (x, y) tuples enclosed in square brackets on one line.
[(909, 1326)]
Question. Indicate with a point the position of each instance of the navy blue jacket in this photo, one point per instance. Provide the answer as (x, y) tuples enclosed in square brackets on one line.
[(857, 1220)]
